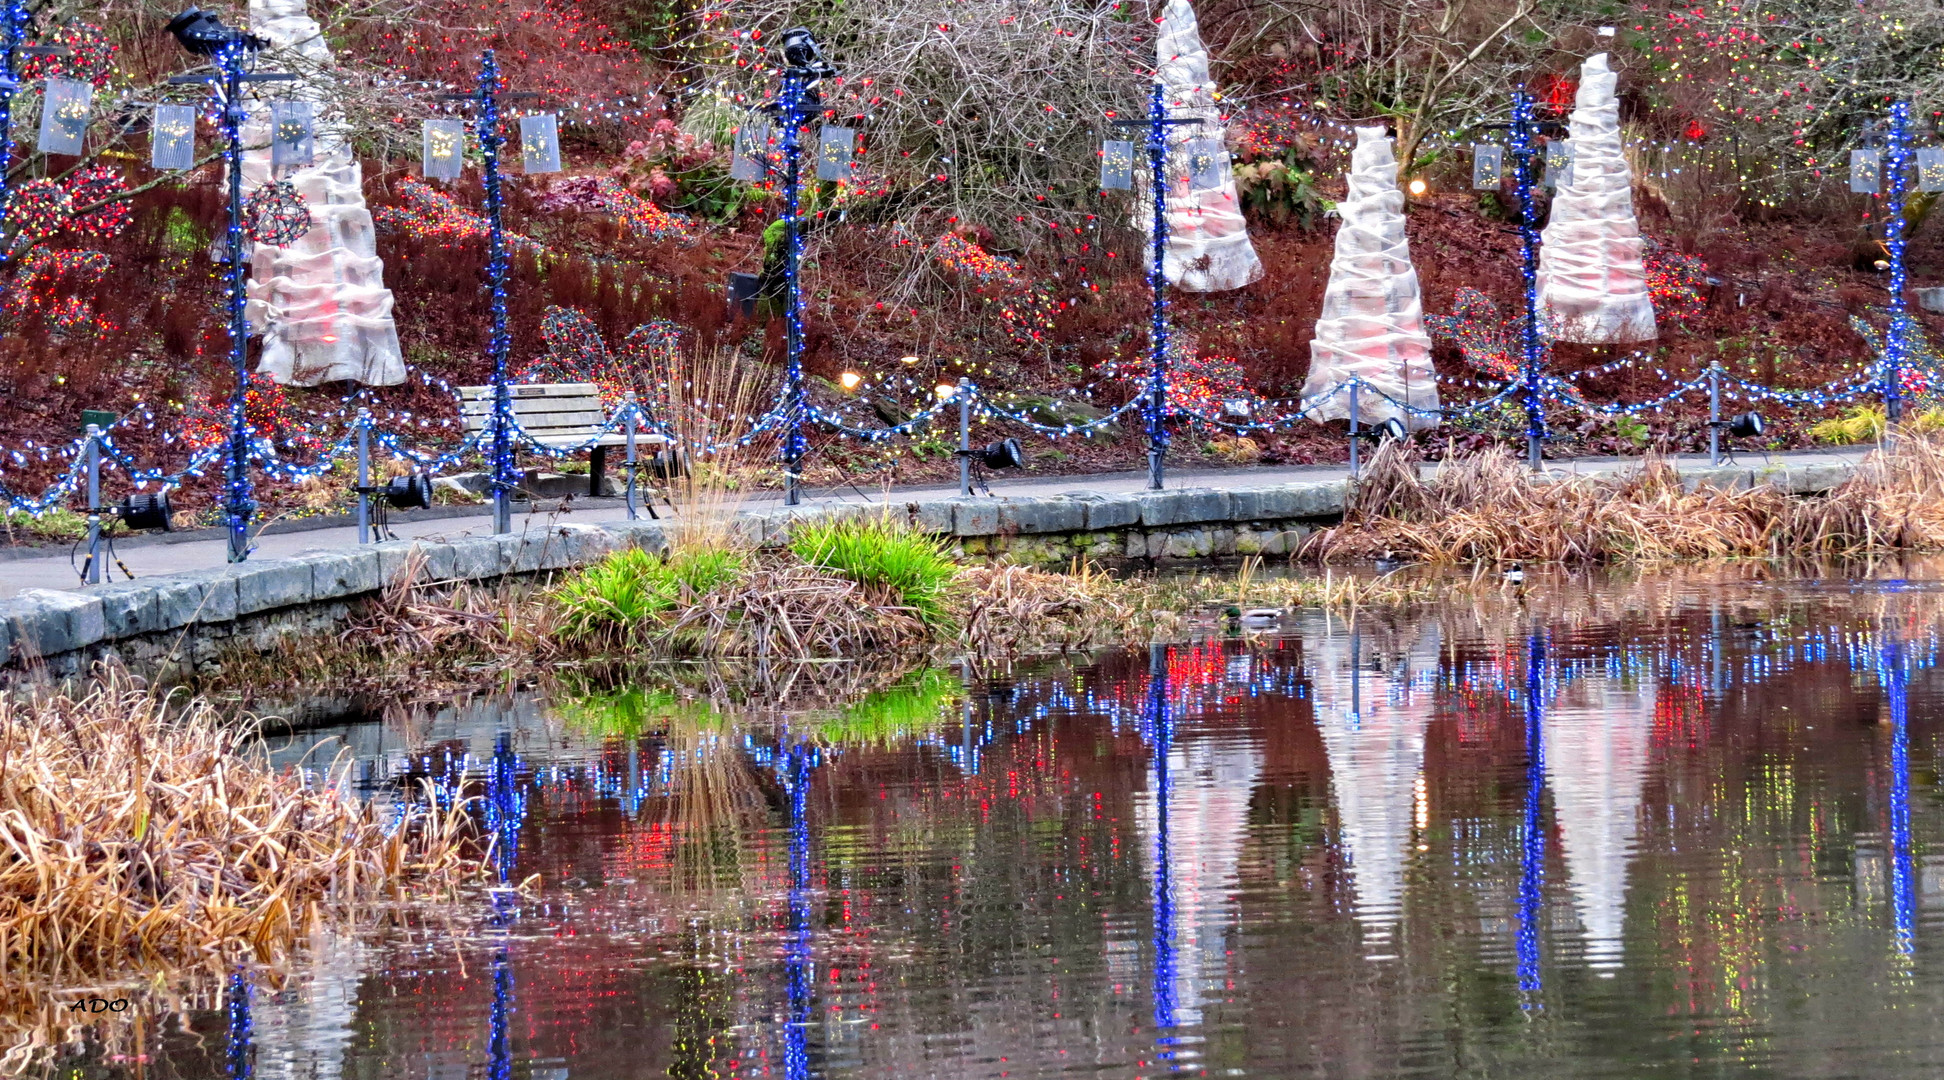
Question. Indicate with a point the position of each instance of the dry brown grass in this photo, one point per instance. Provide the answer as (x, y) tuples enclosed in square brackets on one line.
[(1488, 507), (138, 837)]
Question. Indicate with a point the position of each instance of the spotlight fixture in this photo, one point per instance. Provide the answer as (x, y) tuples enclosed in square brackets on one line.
[(1391, 430), (203, 33), (803, 56), (146, 511), (849, 380), (1746, 426), (1004, 454), (412, 492)]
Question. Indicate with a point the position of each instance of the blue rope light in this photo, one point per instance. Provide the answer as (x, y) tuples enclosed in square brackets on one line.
[(501, 468), (1531, 343), (1896, 343), (240, 506), (790, 111), (1157, 390)]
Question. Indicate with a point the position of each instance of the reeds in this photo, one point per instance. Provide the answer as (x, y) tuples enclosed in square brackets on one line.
[(1487, 507), (139, 836)]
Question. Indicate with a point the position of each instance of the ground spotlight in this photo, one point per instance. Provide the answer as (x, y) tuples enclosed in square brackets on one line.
[(803, 56), (146, 511), (1004, 454), (412, 492), (1746, 426), (1390, 430)]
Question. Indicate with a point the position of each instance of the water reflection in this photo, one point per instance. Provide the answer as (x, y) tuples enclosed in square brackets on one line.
[(1678, 833)]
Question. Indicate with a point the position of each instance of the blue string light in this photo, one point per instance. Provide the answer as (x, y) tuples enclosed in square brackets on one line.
[(790, 111), (240, 506), (1531, 343), (1896, 344)]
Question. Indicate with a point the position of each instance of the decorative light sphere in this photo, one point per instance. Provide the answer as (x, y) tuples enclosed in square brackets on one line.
[(944, 390), (1418, 186)]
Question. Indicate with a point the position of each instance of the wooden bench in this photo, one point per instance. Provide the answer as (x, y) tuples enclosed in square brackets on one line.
[(557, 415)]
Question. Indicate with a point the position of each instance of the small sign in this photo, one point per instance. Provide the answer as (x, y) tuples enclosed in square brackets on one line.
[(101, 419), (64, 116), (444, 151), (172, 138), (1559, 164), (1116, 165), (292, 134), (1866, 170), (836, 146), (540, 143), (1488, 165), (1930, 169), (1207, 165), (751, 161)]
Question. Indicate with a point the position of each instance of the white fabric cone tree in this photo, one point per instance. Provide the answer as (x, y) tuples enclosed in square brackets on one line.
[(1208, 240), (320, 302), (1592, 283), (1372, 324)]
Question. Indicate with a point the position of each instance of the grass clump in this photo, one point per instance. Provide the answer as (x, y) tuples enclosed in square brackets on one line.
[(623, 595), (896, 566), (139, 837)]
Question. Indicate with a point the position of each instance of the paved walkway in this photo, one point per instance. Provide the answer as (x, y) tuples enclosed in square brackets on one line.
[(148, 556)]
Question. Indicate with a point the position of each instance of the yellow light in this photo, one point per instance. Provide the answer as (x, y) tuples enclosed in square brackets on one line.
[(907, 359), (850, 379), (1418, 186), (944, 390)]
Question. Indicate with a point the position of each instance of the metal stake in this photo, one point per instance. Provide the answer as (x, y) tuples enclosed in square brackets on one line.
[(634, 420), (91, 571), (965, 442), (1356, 465), (364, 476), (1714, 415)]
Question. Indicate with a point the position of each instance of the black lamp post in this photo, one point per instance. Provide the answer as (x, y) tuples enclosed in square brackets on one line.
[(803, 66), (202, 33)]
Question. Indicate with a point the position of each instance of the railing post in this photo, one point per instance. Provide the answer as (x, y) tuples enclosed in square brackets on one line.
[(633, 413), (1714, 414), (1356, 464), (91, 571), (965, 440), (364, 476)]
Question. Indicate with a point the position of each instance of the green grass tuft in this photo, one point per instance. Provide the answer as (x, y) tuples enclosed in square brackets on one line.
[(908, 569), (623, 593)]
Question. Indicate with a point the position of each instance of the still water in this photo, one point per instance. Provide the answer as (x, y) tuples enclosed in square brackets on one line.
[(1669, 826)]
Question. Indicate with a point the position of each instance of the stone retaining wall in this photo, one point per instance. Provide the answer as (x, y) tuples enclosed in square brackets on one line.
[(187, 620)]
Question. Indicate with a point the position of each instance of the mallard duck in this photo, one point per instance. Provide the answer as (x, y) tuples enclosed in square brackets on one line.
[(1262, 616)]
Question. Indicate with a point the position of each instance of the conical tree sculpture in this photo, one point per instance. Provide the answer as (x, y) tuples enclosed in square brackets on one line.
[(320, 302), (1208, 240), (1372, 326), (1592, 284)]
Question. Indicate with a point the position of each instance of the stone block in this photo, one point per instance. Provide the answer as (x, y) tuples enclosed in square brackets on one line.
[(268, 584), (1047, 515), (650, 536), (1187, 544), (750, 528), (48, 622), (1188, 506), (931, 515), (478, 559), (1107, 511), (1323, 499), (1277, 503), (393, 557), (128, 608), (1816, 479), (351, 572), (975, 517), (195, 596)]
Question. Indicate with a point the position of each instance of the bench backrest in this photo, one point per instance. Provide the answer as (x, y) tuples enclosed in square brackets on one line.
[(568, 412)]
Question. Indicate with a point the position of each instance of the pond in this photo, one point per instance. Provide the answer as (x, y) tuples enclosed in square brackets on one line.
[(1684, 824)]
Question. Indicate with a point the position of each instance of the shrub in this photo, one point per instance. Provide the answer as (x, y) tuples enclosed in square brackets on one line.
[(905, 568)]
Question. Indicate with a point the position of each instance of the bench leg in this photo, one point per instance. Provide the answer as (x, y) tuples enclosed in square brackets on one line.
[(596, 470)]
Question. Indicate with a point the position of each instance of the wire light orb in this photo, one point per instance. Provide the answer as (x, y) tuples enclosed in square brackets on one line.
[(276, 214)]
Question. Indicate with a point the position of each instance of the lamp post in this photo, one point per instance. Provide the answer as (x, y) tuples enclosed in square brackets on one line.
[(1531, 347), (201, 33), (803, 66)]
